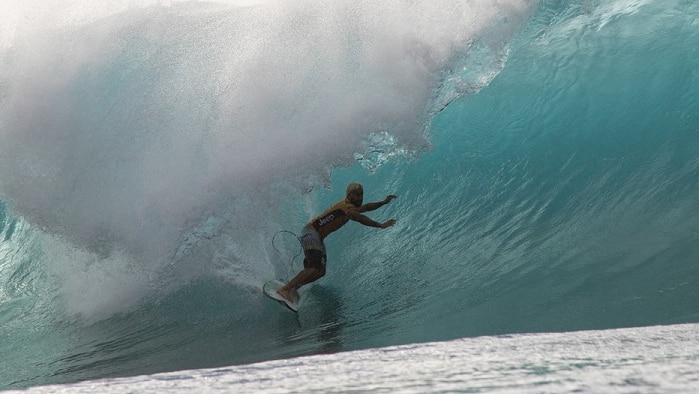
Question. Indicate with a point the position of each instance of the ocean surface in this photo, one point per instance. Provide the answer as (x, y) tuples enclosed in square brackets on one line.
[(660, 359), (154, 154)]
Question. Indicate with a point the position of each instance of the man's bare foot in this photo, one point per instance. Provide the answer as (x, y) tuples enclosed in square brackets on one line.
[(289, 295)]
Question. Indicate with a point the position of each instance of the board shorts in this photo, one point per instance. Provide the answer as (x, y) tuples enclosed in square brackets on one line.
[(313, 249)]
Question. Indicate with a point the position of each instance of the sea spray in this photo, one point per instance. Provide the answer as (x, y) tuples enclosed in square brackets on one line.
[(124, 129)]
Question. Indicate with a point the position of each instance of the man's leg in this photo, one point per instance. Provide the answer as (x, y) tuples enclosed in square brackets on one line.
[(314, 269)]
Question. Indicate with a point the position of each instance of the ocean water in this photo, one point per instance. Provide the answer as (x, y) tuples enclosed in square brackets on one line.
[(545, 155), (649, 360)]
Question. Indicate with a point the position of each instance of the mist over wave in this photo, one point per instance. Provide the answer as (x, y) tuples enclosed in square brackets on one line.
[(123, 130)]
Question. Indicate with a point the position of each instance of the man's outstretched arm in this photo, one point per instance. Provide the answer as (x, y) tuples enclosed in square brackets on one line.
[(365, 220), (376, 205)]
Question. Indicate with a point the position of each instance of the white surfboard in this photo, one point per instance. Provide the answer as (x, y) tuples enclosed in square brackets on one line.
[(270, 289)]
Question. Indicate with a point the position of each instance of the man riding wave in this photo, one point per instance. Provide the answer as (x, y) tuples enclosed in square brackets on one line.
[(320, 227)]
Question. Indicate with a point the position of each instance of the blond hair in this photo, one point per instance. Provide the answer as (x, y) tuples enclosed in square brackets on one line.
[(352, 187)]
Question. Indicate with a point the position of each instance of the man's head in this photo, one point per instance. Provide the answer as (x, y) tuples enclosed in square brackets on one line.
[(355, 194)]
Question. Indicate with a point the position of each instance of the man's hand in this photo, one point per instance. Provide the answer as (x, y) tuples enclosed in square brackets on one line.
[(389, 198), (388, 223)]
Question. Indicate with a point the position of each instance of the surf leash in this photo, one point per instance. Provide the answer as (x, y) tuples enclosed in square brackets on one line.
[(290, 271)]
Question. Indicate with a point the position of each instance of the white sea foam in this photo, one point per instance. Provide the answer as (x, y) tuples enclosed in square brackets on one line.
[(649, 359)]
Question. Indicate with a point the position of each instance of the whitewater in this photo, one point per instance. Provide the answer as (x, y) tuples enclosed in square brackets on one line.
[(544, 154)]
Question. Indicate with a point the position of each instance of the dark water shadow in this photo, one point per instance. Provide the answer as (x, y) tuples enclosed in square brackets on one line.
[(322, 318)]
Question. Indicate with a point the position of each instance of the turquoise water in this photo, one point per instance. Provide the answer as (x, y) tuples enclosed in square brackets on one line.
[(658, 359), (544, 154)]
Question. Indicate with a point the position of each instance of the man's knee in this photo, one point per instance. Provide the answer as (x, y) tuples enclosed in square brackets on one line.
[(317, 272), (315, 260), (321, 271)]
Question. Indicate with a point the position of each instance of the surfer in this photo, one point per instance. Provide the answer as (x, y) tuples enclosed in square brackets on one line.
[(316, 230)]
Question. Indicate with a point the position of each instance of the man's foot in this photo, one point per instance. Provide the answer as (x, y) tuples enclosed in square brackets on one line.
[(289, 295)]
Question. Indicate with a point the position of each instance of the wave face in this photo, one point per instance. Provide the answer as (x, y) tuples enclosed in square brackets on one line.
[(544, 154)]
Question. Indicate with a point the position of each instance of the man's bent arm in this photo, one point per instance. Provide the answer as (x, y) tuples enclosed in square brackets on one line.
[(358, 217), (376, 205)]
